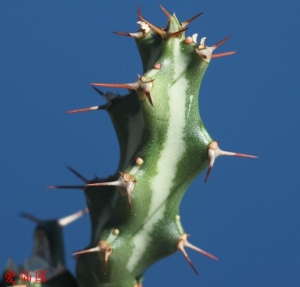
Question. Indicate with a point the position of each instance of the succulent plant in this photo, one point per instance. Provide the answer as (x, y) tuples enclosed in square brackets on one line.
[(164, 146)]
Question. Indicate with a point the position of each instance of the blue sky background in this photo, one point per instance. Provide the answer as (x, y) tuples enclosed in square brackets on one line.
[(248, 212)]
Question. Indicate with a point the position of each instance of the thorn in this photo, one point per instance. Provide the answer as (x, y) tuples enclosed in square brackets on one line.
[(146, 86), (103, 248), (185, 23), (215, 46), (98, 91), (178, 33), (30, 217), (181, 248), (214, 151), (94, 108), (95, 249), (149, 98), (139, 12), (220, 55), (122, 86), (112, 183), (108, 96), (189, 245), (165, 11), (160, 32), (105, 252), (129, 200), (143, 84), (136, 35), (122, 33), (71, 218), (78, 174), (125, 183), (184, 243), (208, 173), (206, 52), (66, 187)]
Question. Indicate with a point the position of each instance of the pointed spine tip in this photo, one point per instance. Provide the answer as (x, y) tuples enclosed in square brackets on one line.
[(89, 109), (207, 174), (122, 33), (136, 35), (76, 173), (66, 187), (165, 11), (30, 217), (139, 12), (98, 91), (221, 42), (187, 22), (180, 247), (225, 54), (176, 34), (149, 98)]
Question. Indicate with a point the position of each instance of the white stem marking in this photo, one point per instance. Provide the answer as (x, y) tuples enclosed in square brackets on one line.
[(171, 154)]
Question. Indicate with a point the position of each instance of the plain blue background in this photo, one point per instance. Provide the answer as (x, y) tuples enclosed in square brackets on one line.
[(248, 212)]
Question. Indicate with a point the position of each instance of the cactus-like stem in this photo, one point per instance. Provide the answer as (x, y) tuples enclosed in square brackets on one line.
[(174, 149), (164, 146)]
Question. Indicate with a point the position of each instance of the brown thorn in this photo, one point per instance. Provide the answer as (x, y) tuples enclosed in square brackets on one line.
[(139, 12), (165, 11), (129, 200), (160, 32), (175, 34), (181, 248), (105, 252), (123, 86), (122, 33), (208, 173), (105, 266), (220, 55), (221, 42), (185, 23), (98, 91), (77, 174), (66, 187), (89, 109), (245, 155), (149, 98), (95, 249), (113, 183), (191, 246), (29, 216)]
